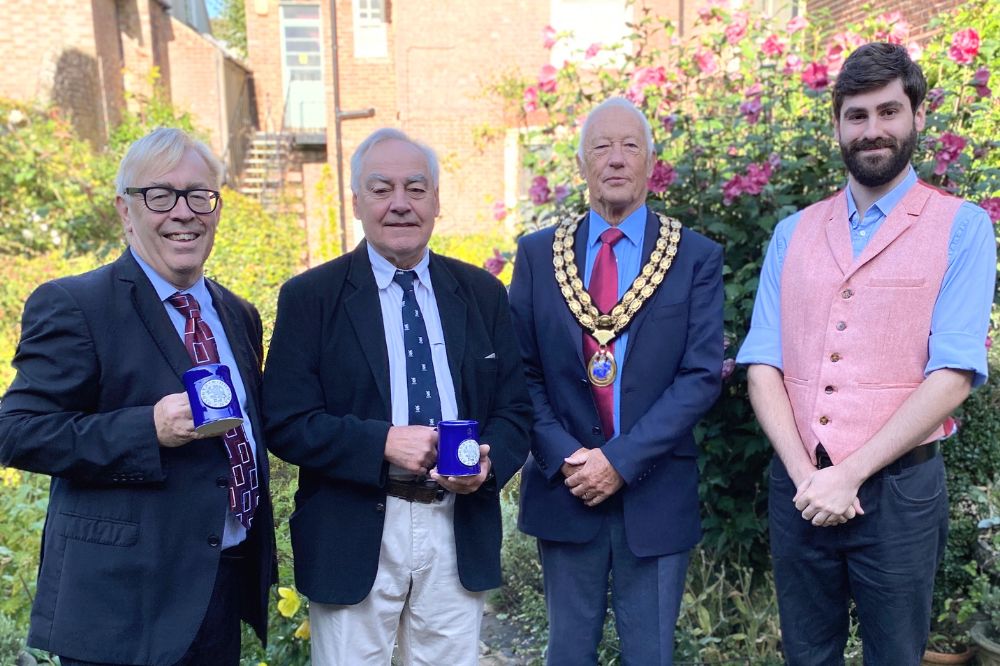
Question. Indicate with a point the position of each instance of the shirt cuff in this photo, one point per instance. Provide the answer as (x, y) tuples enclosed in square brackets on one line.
[(958, 351)]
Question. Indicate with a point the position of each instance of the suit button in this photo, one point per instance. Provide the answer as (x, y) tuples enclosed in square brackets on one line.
[(596, 430), (847, 293), (214, 541), (380, 508), (829, 390), (835, 357), (221, 481), (841, 325), (823, 420)]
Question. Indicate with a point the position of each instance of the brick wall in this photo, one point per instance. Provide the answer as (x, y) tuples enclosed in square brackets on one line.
[(264, 58), (918, 13), (195, 84)]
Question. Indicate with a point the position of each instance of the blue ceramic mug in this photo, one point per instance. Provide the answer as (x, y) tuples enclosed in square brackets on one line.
[(214, 404), (458, 448)]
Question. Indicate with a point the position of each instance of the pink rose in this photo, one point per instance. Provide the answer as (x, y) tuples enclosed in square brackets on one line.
[(964, 46), (915, 51), (642, 78), (662, 178), (495, 263), (539, 190), (737, 29), (705, 60), (548, 37), (951, 148), (547, 79), (992, 208), (530, 99), (732, 189), (894, 28), (815, 76), (592, 50), (793, 64), (773, 46), (795, 24), (561, 193), (499, 211), (758, 175)]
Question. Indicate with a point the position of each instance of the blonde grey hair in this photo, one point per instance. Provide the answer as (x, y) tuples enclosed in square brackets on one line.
[(159, 152), (387, 134), (617, 103)]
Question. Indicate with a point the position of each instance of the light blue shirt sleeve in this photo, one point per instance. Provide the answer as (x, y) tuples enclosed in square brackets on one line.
[(763, 342), (961, 315)]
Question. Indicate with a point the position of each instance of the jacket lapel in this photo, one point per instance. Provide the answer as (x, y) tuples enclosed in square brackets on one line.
[(838, 231), (150, 310), (580, 259), (365, 312), (453, 311)]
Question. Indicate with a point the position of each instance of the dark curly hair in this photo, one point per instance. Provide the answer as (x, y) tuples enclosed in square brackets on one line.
[(875, 66)]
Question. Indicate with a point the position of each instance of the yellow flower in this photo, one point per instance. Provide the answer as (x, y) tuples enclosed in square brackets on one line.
[(290, 601), (10, 476), (303, 630)]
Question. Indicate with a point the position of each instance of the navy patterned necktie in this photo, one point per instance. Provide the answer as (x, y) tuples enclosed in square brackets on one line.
[(244, 493), (421, 382)]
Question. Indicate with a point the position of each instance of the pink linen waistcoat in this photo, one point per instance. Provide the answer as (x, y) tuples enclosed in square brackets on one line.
[(854, 332)]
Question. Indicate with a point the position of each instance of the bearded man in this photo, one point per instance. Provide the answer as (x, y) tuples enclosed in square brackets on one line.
[(867, 333)]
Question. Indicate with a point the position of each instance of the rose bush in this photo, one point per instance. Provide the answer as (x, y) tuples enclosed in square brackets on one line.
[(741, 116)]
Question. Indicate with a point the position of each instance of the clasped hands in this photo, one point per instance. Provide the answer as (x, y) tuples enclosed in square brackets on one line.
[(590, 477), (414, 448), (828, 497)]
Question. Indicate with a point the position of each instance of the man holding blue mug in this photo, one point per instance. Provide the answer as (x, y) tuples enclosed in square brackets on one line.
[(370, 353)]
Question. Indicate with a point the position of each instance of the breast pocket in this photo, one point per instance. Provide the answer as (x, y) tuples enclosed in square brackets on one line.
[(94, 529)]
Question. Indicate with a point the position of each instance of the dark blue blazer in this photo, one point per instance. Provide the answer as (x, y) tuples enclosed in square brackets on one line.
[(132, 536), (671, 375), (328, 410)]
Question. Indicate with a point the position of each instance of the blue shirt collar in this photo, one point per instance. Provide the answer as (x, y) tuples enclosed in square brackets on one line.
[(632, 226), (887, 202), (384, 270), (165, 290)]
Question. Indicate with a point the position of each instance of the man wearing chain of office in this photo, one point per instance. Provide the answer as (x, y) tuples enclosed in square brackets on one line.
[(619, 318)]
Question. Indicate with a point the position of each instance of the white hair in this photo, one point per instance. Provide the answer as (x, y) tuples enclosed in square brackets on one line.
[(387, 134), (159, 152), (617, 103)]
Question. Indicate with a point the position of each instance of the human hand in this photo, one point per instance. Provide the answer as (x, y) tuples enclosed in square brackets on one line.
[(463, 485), (173, 420), (828, 497), (412, 447), (595, 480), (569, 470)]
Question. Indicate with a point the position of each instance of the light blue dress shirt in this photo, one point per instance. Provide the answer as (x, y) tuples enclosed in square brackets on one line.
[(234, 532), (628, 252), (390, 296), (960, 318)]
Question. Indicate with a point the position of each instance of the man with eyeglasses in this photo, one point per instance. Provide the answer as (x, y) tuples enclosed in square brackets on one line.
[(158, 539)]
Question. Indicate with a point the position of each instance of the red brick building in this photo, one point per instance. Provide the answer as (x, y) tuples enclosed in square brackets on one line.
[(89, 57)]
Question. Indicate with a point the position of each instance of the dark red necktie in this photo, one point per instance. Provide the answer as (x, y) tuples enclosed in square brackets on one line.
[(244, 493), (603, 290)]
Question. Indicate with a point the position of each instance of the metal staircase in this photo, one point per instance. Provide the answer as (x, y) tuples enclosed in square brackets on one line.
[(271, 175)]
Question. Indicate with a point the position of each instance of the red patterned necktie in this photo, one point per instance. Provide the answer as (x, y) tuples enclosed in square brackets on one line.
[(603, 290), (201, 347)]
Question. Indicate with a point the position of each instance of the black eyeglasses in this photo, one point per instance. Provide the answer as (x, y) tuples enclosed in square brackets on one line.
[(163, 199)]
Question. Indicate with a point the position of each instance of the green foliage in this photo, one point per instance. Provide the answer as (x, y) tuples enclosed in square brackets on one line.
[(741, 121), (230, 26), (474, 249), (23, 500)]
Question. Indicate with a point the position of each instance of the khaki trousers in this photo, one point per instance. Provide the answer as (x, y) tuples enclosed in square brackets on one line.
[(417, 598)]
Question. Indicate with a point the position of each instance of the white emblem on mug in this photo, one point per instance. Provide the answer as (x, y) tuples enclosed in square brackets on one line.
[(468, 452), (215, 394)]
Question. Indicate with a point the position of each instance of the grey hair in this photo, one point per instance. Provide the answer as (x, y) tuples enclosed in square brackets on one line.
[(387, 134), (617, 103), (159, 152)]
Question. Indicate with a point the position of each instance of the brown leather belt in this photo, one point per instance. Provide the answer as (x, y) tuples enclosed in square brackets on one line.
[(914, 456), (425, 492)]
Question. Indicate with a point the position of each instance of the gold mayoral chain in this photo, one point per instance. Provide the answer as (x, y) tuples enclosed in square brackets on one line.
[(606, 327)]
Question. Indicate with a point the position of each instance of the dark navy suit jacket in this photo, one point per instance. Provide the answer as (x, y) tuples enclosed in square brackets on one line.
[(671, 376), (133, 532), (329, 411)]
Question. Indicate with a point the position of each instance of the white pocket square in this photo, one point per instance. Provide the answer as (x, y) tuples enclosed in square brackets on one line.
[(493, 355)]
